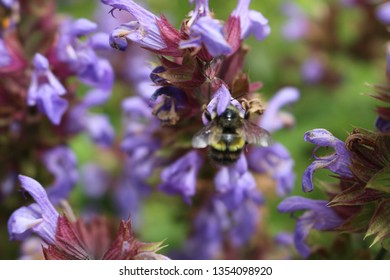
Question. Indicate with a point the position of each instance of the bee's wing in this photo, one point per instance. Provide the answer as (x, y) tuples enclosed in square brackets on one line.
[(254, 134), (206, 136)]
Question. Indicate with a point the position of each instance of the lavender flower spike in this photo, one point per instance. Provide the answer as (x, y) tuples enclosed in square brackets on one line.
[(40, 217), (45, 91), (144, 30), (338, 162), (180, 177), (318, 216), (251, 22)]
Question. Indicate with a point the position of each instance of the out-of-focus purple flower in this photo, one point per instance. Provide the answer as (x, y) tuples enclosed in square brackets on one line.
[(251, 22), (40, 217), (144, 31), (382, 125), (338, 162), (235, 184), (276, 161), (31, 248), (130, 193), (180, 176), (62, 163), (97, 126), (7, 3), (209, 226), (7, 185), (272, 119), (296, 26), (5, 58), (245, 220), (284, 238), (80, 55), (312, 70), (208, 31), (317, 216), (95, 180), (383, 13), (45, 91)]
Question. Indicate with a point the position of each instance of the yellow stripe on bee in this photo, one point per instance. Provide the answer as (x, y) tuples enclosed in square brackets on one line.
[(238, 144), (220, 146)]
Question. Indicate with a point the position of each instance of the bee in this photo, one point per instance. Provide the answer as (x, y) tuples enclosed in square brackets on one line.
[(227, 134)]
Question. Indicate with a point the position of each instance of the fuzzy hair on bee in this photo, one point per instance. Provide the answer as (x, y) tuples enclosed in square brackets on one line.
[(227, 134)]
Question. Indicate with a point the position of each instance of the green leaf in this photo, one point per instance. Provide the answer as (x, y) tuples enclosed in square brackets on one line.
[(380, 181), (380, 222)]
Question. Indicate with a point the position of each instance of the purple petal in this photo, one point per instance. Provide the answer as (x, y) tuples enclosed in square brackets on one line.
[(297, 203), (180, 177), (383, 13), (272, 119), (251, 22), (302, 230), (95, 180), (51, 104), (41, 217), (144, 31), (211, 33), (82, 27), (5, 58), (100, 129), (277, 162), (312, 70), (62, 163)]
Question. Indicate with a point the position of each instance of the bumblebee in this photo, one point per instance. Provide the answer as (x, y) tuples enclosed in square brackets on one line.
[(227, 134)]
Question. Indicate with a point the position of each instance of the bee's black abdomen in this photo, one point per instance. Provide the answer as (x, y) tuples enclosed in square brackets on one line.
[(224, 157)]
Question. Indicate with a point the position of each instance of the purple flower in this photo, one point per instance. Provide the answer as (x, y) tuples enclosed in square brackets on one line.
[(209, 227), (95, 180), (130, 193), (251, 22), (62, 163), (8, 3), (208, 31), (220, 101), (317, 216), (383, 13), (382, 125), (284, 238), (276, 161), (144, 31), (235, 184), (40, 217), (80, 55), (297, 25), (272, 119), (312, 70), (45, 91), (168, 102), (180, 176), (338, 162), (5, 58), (97, 126), (245, 220)]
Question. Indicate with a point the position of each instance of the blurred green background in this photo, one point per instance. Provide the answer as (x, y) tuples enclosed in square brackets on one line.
[(336, 108)]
